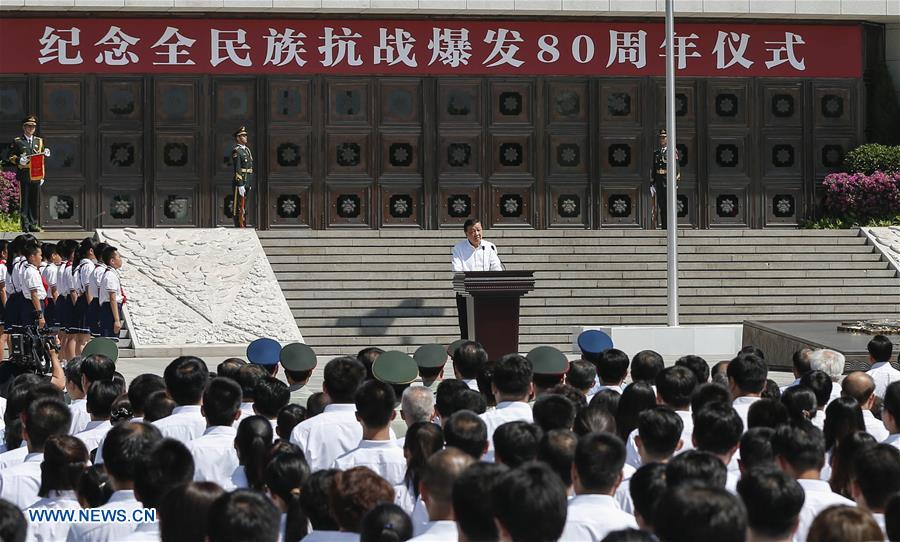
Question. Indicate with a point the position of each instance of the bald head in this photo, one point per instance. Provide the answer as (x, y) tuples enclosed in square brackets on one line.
[(441, 471), (858, 385)]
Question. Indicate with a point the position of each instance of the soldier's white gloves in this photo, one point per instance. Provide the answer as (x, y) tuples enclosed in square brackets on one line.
[(47, 153), (42, 182), (242, 191), (23, 160), (652, 190)]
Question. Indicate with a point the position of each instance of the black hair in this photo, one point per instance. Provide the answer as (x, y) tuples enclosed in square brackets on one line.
[(101, 396), (121, 410), (553, 411), (13, 527), (607, 399), (530, 503), (594, 419), (248, 376), (93, 487), (26, 388), (880, 348), (141, 388), (124, 446), (375, 402), (512, 375), (711, 392), (269, 396), (892, 400), (82, 251), (47, 251), (107, 254), (599, 458), (316, 404), (65, 458), (516, 442), (485, 379), (802, 447), (341, 377), (877, 473), (696, 365), (167, 463), (473, 503), (846, 452), (581, 374), (444, 396), (314, 499), (243, 515), (660, 430), (752, 350), (467, 431), (158, 405), (184, 512), (645, 365), (842, 417), (97, 367), (44, 418), (820, 383), (229, 368), (571, 393), (72, 371), (771, 391), (645, 488), (252, 441), (636, 398), (773, 500), (717, 428), (430, 373), (186, 378), (470, 222), (675, 385), (749, 372), (221, 401), (544, 381), (696, 466), (801, 362), (386, 522), (423, 439), (284, 476), (612, 366), (288, 418), (800, 402), (557, 450), (756, 448), (691, 513), (767, 413)]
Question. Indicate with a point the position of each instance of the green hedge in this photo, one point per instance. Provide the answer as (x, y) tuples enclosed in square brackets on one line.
[(873, 157)]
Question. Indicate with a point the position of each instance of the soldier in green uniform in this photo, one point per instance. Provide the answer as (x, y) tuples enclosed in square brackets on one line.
[(19, 154), (549, 366), (298, 361), (242, 159), (399, 370), (658, 178), (431, 359)]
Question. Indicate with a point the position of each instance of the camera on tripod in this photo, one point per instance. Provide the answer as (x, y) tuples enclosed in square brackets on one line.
[(30, 349)]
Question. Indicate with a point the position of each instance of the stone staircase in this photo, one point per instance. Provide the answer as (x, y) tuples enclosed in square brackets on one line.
[(391, 288)]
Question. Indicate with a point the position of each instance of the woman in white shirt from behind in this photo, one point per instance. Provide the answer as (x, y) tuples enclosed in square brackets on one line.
[(65, 458)]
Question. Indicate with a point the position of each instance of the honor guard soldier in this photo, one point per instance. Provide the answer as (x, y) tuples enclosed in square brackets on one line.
[(658, 178), (242, 159), (266, 353), (399, 370), (549, 366), (30, 176), (592, 343), (298, 362), (430, 359)]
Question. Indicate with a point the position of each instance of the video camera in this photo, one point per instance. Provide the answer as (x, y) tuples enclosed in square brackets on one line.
[(30, 349)]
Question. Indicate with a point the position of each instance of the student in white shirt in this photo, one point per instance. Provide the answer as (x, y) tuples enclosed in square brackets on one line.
[(822, 386), (64, 458), (78, 404), (167, 465), (184, 513), (4, 296), (876, 476), (472, 254), (861, 387), (44, 417), (512, 388), (33, 288), (612, 368), (376, 450), (64, 308), (717, 430), (109, 290), (468, 358), (82, 295), (471, 495), (186, 378), (890, 414), (285, 475), (386, 521), (248, 376), (94, 287), (314, 501), (269, 396), (215, 457), (243, 515), (674, 388), (529, 503), (881, 350), (49, 272), (441, 472), (659, 436), (800, 364), (747, 376), (100, 398), (253, 442), (353, 493), (773, 501)]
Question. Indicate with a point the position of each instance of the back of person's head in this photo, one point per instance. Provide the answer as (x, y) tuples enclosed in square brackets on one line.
[(512, 376), (801, 362), (184, 512), (598, 462), (578, 399), (608, 399), (645, 365), (230, 367), (689, 513), (65, 458), (285, 474), (773, 501), (442, 469), (719, 373), (186, 378), (717, 428), (473, 500), (342, 376), (168, 464), (696, 467), (125, 444), (269, 395), (659, 429), (387, 522), (93, 487), (756, 448), (44, 418), (843, 458), (801, 403), (468, 359), (844, 524), (530, 503), (141, 388), (158, 406), (485, 382), (767, 413), (243, 515), (314, 499), (581, 375), (13, 527), (858, 385), (842, 417), (748, 372), (417, 404), (423, 439), (696, 365), (612, 366), (467, 431), (880, 348), (316, 404), (557, 450), (675, 386), (248, 376), (288, 418), (516, 442), (636, 398), (892, 401), (354, 492), (252, 442), (711, 392), (100, 397), (820, 383), (892, 517), (445, 396), (375, 403), (553, 411), (752, 350), (594, 419), (771, 391), (645, 488), (97, 367), (367, 357), (800, 447), (876, 474), (72, 370), (221, 401)]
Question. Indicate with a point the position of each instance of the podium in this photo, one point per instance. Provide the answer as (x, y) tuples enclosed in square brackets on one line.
[(492, 307)]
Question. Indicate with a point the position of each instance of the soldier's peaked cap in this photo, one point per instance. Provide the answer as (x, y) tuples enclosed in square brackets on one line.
[(102, 346), (547, 360), (31, 119), (264, 352), (394, 367), (430, 355), (298, 357), (594, 341), (241, 131)]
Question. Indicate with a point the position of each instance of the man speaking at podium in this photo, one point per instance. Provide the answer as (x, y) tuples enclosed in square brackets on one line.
[(472, 254)]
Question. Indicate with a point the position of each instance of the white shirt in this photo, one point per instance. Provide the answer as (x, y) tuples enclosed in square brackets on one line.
[(382, 456), (64, 279), (591, 517), (742, 406), (818, 497), (80, 416), (246, 411), (506, 411), (32, 280), (331, 536), (874, 426), (893, 440), (214, 455), (438, 531), (465, 257), (110, 283), (2, 399), (19, 484), (329, 435), (50, 272), (94, 279), (883, 374), (46, 531), (472, 383), (108, 531), (185, 423), (237, 480), (145, 532), (598, 387), (13, 457), (82, 276), (94, 433), (633, 457)]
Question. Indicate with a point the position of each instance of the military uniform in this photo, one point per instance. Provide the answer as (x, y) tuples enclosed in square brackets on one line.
[(659, 180), (296, 357), (242, 159), (19, 150), (399, 370)]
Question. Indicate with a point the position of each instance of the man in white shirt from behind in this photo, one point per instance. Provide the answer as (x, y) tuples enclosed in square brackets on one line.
[(186, 378), (674, 388), (875, 478), (890, 414), (596, 474), (881, 351), (512, 387), (472, 254), (831, 363), (717, 430), (100, 398), (78, 405), (747, 376), (659, 437), (861, 387), (215, 457), (800, 366), (436, 488), (773, 501), (377, 450)]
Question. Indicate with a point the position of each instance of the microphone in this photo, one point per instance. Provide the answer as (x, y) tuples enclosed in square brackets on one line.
[(484, 264)]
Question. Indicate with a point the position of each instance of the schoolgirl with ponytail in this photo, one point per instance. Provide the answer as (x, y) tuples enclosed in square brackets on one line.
[(252, 442), (284, 476)]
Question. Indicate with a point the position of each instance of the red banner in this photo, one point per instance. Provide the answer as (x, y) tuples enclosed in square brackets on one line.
[(36, 165), (422, 47)]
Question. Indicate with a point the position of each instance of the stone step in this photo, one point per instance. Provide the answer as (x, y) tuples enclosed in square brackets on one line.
[(425, 241), (833, 261), (456, 233)]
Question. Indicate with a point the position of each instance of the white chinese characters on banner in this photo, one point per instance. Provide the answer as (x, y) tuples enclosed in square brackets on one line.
[(394, 48), (175, 47), (786, 47), (505, 50), (450, 46), (117, 54), (338, 48), (682, 45), (284, 48), (56, 43), (225, 45), (627, 47), (737, 47)]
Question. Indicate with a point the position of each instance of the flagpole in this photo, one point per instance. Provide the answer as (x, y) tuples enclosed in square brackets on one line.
[(671, 176)]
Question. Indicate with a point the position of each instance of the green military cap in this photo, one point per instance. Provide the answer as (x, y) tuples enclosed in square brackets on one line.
[(297, 357), (102, 346), (430, 355), (241, 131), (395, 367), (455, 345), (29, 120), (546, 360)]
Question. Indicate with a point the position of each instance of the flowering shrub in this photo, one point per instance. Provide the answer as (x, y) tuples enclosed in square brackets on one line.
[(9, 192), (862, 197)]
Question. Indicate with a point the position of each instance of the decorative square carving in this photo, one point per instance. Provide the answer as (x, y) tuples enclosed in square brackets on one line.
[(568, 205), (784, 204), (833, 107), (782, 105), (121, 101), (727, 103), (401, 154), (176, 155), (728, 206), (459, 154), (567, 101), (456, 204), (235, 102), (62, 206), (121, 155), (511, 205), (348, 206), (401, 205), (727, 156), (620, 104), (620, 205), (685, 102), (177, 205), (511, 102), (401, 102), (348, 102), (782, 156), (61, 101), (620, 156), (289, 101), (289, 204), (459, 102), (511, 154), (568, 154), (289, 155), (348, 154), (66, 160), (176, 100), (13, 98), (829, 152), (121, 206), (223, 213)]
